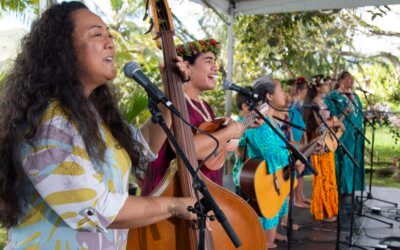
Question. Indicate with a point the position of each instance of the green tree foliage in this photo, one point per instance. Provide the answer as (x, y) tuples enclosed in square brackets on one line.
[(382, 80), (133, 45), (291, 44), (18, 5)]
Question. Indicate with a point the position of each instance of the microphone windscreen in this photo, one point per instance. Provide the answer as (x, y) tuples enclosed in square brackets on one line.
[(130, 68)]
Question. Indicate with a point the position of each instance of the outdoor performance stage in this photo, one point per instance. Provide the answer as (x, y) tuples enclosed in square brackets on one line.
[(322, 235)]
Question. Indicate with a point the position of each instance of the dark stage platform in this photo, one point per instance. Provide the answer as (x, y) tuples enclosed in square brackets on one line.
[(317, 235)]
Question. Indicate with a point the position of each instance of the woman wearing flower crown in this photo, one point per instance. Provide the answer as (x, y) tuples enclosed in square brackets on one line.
[(199, 58), (324, 205)]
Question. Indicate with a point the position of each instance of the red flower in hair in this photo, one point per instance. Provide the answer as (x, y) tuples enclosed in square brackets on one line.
[(194, 47), (213, 42), (301, 79)]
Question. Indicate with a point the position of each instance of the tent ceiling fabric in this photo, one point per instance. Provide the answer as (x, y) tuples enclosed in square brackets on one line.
[(282, 6)]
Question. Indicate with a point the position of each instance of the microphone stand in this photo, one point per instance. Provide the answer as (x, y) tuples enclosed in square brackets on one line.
[(207, 203), (369, 194), (295, 155), (342, 151), (358, 133)]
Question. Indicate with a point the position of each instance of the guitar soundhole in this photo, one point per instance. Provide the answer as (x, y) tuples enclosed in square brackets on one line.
[(286, 173)]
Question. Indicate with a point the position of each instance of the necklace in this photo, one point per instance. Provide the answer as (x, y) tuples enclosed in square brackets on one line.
[(352, 102), (205, 115)]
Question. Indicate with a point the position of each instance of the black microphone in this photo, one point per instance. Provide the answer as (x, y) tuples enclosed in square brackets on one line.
[(248, 93), (132, 70), (314, 107), (364, 91)]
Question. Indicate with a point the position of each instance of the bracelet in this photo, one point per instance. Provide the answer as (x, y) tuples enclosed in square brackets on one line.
[(173, 212)]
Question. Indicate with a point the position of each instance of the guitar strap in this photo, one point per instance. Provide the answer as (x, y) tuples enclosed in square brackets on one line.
[(245, 150)]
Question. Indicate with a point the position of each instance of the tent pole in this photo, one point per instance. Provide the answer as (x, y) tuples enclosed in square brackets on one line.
[(228, 95), (44, 5)]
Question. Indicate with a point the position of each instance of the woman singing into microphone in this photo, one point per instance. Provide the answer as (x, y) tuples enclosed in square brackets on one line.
[(65, 151)]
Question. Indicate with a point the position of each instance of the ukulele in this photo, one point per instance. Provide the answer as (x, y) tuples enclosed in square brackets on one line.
[(222, 122)]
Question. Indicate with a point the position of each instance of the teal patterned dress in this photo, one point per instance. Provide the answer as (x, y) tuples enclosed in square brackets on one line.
[(348, 140), (237, 166), (264, 144)]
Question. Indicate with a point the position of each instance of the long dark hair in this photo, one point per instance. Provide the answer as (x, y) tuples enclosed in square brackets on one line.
[(308, 114), (45, 70)]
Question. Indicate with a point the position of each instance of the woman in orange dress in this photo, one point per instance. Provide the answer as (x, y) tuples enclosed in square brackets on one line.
[(324, 204)]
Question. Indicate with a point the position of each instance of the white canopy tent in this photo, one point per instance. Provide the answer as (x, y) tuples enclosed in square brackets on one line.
[(259, 7), (253, 7), (282, 6)]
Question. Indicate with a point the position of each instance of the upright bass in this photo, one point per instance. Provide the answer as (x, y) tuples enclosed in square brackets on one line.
[(175, 233)]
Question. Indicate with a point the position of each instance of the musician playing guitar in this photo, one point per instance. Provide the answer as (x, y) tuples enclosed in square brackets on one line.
[(345, 100), (244, 111), (199, 58), (264, 144), (324, 205)]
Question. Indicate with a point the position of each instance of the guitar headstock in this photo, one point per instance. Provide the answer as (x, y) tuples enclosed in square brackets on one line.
[(161, 18)]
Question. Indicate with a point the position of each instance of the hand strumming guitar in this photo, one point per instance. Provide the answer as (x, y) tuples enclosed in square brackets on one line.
[(236, 129), (299, 166)]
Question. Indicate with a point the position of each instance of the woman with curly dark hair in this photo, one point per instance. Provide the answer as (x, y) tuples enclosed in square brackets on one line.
[(65, 151)]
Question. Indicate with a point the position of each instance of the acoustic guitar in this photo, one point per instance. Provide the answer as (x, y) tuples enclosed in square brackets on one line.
[(268, 191), (330, 140)]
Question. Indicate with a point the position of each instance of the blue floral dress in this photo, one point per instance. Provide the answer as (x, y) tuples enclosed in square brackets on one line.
[(264, 144)]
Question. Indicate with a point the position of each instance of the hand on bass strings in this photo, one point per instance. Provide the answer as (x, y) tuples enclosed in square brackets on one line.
[(180, 68)]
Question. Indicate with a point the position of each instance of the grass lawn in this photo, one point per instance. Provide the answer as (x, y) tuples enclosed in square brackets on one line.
[(384, 148), (3, 238)]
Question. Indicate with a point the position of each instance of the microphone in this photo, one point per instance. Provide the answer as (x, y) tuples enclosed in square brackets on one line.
[(132, 70), (313, 107), (248, 93), (364, 91)]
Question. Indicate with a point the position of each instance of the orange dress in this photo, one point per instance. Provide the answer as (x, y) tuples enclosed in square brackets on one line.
[(325, 196)]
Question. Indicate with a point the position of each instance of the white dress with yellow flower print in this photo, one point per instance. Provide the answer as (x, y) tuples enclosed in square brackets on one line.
[(71, 198)]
